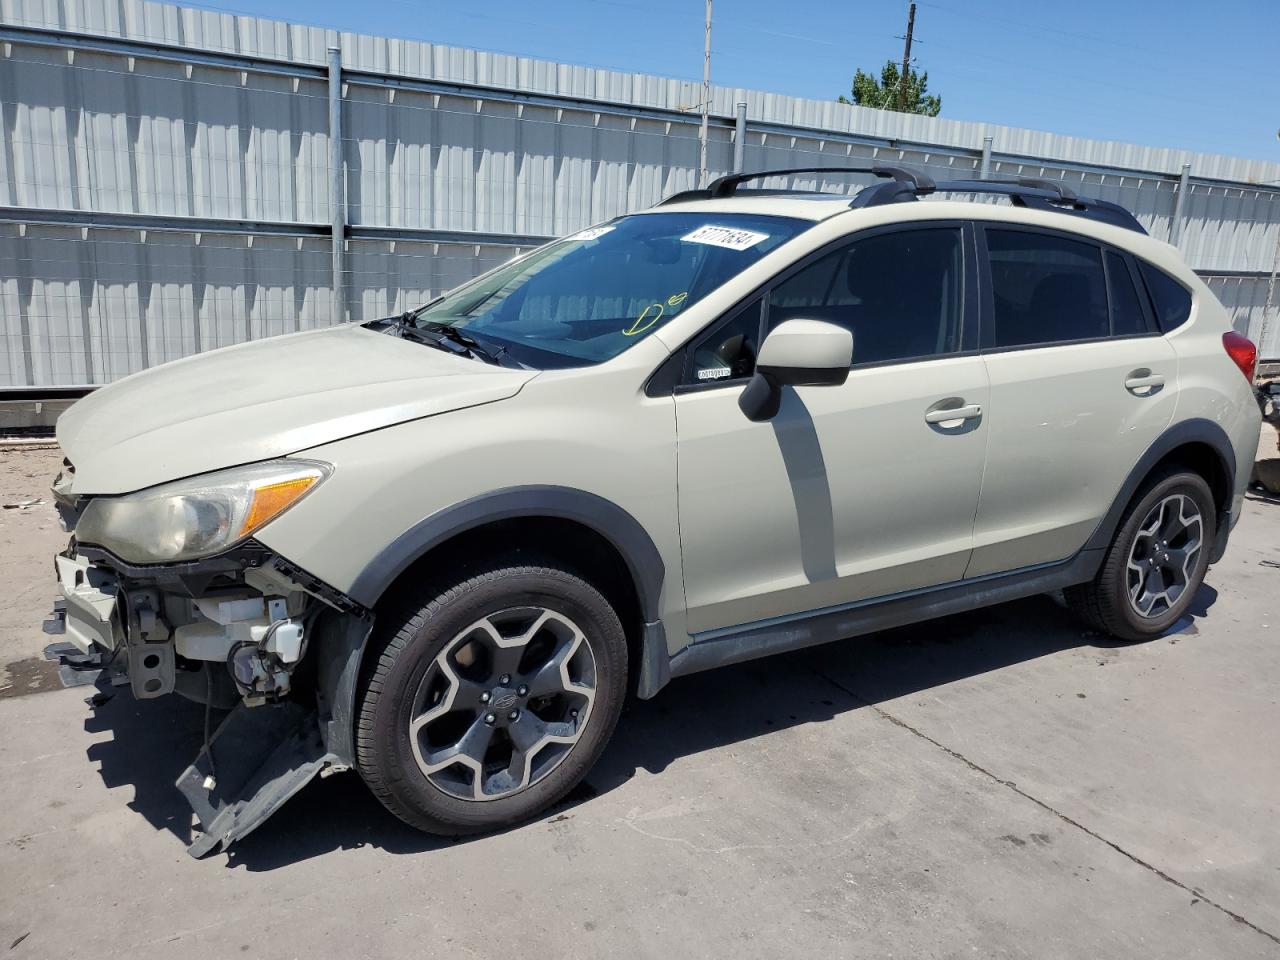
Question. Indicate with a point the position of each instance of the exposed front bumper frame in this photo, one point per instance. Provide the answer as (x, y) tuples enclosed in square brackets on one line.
[(258, 757), (89, 612)]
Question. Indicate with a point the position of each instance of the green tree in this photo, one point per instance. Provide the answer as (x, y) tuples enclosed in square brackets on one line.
[(884, 94)]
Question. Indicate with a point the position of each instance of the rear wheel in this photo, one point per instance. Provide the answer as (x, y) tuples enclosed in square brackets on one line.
[(490, 701), (1155, 563)]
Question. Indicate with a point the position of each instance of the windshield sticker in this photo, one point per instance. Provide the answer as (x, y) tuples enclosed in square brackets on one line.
[(648, 317), (592, 233), (726, 237)]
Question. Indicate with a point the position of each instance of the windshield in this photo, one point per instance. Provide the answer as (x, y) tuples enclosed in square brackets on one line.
[(588, 297)]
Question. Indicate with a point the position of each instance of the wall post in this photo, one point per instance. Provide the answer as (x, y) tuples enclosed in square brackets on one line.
[(1179, 206), (337, 193), (739, 137)]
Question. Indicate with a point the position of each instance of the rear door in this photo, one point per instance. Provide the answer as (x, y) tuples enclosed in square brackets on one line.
[(854, 491), (1081, 384)]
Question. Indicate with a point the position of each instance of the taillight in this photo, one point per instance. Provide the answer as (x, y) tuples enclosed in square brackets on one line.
[(1242, 353)]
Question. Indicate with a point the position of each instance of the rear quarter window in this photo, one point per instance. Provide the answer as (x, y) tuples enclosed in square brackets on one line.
[(1170, 299)]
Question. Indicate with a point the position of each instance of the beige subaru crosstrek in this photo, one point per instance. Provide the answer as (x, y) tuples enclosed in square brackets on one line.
[(443, 548)]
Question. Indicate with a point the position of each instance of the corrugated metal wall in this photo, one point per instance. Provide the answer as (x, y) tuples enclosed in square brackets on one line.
[(164, 176)]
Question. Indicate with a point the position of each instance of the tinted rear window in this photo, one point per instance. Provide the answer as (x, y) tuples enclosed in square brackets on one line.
[(1046, 289), (1172, 301), (1127, 316)]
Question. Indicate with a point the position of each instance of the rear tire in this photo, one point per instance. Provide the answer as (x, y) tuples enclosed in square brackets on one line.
[(1156, 561), (489, 702)]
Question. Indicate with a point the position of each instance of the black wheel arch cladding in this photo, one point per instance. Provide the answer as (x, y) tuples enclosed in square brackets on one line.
[(604, 517), (1195, 431)]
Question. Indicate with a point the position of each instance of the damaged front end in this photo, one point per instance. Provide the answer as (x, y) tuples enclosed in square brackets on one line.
[(243, 631)]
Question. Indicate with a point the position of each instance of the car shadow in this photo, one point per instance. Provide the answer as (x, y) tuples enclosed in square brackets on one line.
[(153, 742), (801, 450)]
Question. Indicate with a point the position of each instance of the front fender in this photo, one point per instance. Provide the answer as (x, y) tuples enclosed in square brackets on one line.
[(604, 517), (342, 651)]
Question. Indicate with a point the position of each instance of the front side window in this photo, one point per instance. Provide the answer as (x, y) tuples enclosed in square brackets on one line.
[(588, 297), (899, 293), (1046, 289)]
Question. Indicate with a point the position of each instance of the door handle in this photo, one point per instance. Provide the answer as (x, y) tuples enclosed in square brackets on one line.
[(941, 415), (1144, 383)]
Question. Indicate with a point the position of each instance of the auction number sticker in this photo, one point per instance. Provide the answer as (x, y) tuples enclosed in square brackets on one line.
[(728, 237), (591, 233)]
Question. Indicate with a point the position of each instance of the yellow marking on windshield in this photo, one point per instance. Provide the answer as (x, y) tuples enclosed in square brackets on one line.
[(676, 299), (640, 325)]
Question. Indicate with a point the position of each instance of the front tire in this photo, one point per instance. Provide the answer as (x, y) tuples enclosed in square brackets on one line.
[(491, 701), (1156, 561)]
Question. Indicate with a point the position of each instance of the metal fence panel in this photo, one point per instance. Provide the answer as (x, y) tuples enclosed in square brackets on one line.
[(87, 306), (165, 175), (1244, 298)]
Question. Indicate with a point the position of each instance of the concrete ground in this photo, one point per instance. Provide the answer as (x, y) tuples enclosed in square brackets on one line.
[(1000, 784)]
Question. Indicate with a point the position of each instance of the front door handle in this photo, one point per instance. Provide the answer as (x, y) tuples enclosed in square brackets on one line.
[(1144, 383), (951, 415)]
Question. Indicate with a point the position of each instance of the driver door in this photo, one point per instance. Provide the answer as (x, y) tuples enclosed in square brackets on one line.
[(851, 492)]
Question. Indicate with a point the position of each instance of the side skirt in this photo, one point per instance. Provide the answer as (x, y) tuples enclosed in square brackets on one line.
[(718, 648)]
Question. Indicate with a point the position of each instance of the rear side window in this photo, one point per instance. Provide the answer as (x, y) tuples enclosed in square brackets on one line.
[(1046, 289), (1172, 301), (1128, 319), (901, 293)]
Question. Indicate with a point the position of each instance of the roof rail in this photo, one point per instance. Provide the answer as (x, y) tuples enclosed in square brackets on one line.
[(1023, 192), (905, 184), (1062, 190), (904, 179), (1053, 197)]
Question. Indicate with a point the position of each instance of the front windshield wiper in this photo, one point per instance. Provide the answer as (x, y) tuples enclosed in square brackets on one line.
[(444, 336), (452, 333), (405, 328), (455, 335)]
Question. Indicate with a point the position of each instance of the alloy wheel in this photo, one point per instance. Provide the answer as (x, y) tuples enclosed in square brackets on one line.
[(503, 703), (1163, 556)]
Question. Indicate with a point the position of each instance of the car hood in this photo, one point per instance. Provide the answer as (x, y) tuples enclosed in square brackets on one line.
[(264, 399)]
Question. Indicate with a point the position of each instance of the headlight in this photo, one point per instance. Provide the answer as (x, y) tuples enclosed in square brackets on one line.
[(194, 518)]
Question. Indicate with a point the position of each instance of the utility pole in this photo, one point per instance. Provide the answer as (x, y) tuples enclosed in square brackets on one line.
[(906, 57), (706, 101)]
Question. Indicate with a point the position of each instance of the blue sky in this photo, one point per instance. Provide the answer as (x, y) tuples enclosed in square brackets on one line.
[(1204, 76)]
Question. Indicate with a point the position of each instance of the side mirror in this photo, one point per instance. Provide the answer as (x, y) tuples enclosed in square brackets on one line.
[(797, 353)]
